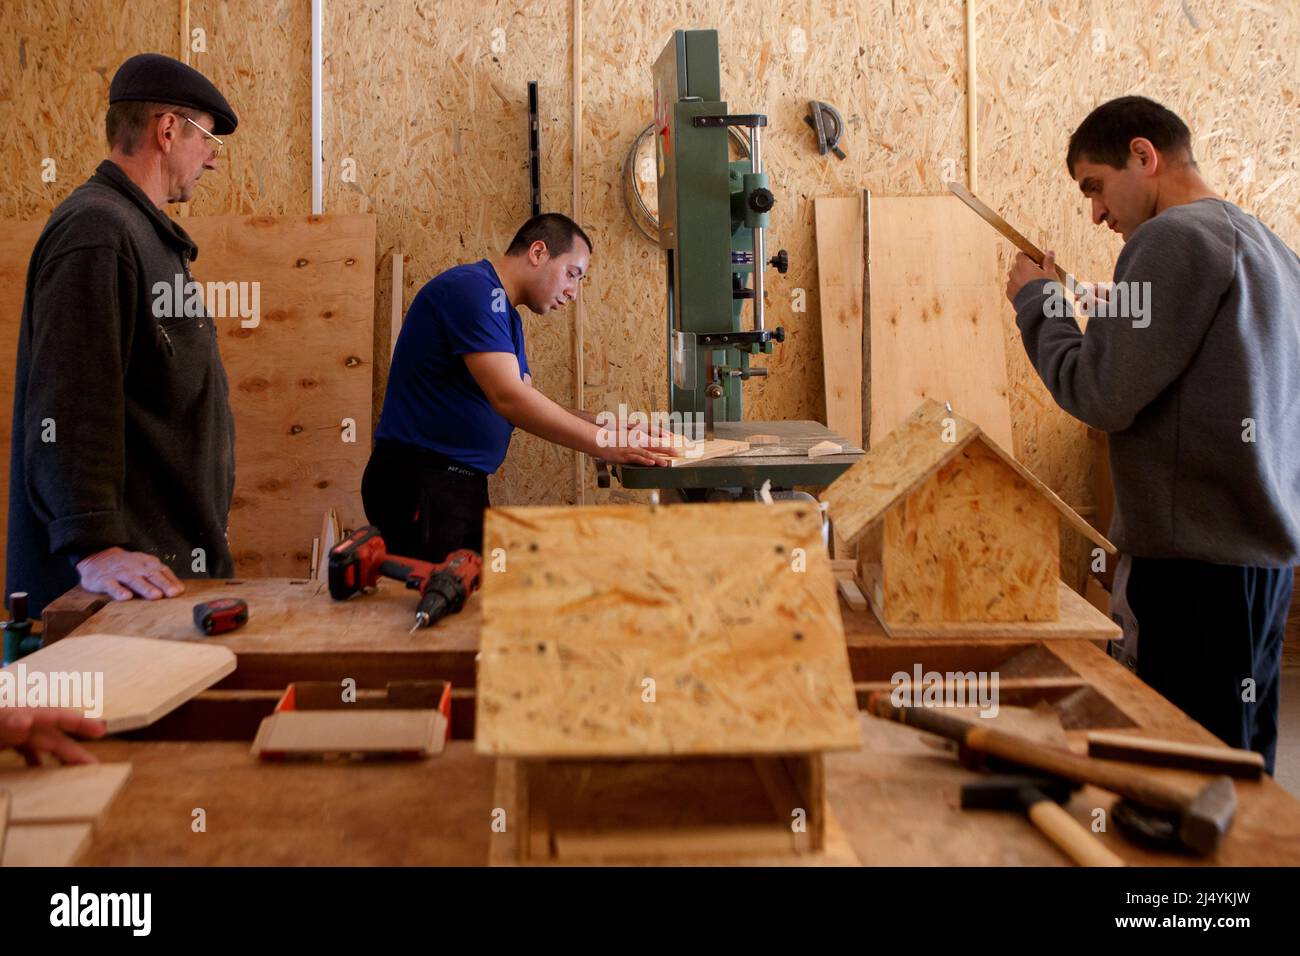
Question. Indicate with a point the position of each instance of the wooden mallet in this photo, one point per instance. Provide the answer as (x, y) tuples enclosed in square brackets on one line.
[(1040, 798)]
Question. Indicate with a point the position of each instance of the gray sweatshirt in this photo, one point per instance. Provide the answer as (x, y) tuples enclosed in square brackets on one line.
[(1198, 385)]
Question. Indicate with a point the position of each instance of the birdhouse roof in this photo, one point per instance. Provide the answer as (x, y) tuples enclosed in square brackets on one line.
[(628, 631), (897, 465)]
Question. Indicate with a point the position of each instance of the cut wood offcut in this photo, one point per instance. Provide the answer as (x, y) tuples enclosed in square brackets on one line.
[(970, 535)]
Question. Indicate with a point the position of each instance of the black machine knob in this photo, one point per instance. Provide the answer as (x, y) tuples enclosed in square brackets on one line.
[(778, 334), (780, 261), (761, 200)]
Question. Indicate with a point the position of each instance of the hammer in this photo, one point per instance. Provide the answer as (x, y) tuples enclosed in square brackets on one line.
[(1204, 818), (1040, 798)]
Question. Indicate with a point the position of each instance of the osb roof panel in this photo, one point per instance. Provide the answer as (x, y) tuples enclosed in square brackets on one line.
[(896, 466), (688, 629)]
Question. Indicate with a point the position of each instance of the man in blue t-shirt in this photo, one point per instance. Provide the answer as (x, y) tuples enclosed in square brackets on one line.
[(459, 384)]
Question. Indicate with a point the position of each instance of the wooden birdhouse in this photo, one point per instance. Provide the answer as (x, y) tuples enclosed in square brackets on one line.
[(969, 539), (661, 682)]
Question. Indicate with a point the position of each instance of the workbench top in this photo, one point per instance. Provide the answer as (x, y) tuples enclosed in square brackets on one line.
[(896, 799)]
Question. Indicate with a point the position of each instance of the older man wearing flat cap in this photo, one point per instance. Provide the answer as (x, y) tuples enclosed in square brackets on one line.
[(122, 464)]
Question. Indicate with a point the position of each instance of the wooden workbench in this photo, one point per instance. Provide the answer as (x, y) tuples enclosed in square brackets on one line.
[(896, 800)]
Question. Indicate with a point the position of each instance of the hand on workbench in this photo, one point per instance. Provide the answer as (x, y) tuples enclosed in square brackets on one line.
[(1025, 270), (34, 731), (121, 574)]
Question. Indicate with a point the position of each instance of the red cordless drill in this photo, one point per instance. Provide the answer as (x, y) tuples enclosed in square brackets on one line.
[(360, 560)]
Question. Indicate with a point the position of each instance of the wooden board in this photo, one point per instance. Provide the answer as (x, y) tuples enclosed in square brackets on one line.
[(6, 802), (840, 277), (937, 308), (744, 653), (46, 844), (1077, 620), (1005, 228), (294, 378), (73, 794), (708, 448), (341, 732), (974, 542), (143, 679)]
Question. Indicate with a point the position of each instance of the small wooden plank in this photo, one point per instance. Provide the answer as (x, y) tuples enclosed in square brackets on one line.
[(1245, 764), (323, 732), (6, 801), (143, 679), (763, 439), (1005, 228), (693, 452), (851, 594), (937, 313), (46, 844), (661, 845), (824, 448), (1077, 620), (743, 653), (840, 277), (73, 794)]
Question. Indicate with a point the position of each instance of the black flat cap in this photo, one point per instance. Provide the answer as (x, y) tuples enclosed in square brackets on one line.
[(154, 78)]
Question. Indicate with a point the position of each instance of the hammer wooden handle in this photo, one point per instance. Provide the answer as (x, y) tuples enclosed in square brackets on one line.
[(1070, 837)]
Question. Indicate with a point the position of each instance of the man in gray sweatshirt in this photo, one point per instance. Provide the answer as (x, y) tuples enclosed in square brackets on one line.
[(1191, 362)]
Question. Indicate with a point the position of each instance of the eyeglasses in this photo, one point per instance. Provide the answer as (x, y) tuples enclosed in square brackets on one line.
[(217, 144)]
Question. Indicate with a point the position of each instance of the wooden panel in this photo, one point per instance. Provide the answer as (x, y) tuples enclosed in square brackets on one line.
[(839, 281), (745, 651), (975, 542), (46, 844), (294, 378), (937, 308), (142, 679), (347, 732), (1076, 620), (78, 794), (706, 449)]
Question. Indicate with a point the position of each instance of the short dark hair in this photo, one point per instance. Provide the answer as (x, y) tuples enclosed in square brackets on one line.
[(127, 121), (1104, 136), (552, 228)]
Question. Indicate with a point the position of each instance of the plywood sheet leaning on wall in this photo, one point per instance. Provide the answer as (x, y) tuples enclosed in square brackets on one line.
[(839, 282), (618, 631), (299, 379), (936, 314), (299, 372)]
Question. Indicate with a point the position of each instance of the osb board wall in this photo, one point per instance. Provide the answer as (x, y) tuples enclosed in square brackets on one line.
[(435, 118), (431, 101)]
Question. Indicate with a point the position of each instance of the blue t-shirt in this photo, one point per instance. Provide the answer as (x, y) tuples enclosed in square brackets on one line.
[(432, 400)]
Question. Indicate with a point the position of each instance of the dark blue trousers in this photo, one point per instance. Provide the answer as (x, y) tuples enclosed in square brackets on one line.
[(1210, 641)]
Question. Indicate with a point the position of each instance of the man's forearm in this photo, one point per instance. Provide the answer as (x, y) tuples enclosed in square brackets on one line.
[(582, 413), (529, 409)]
